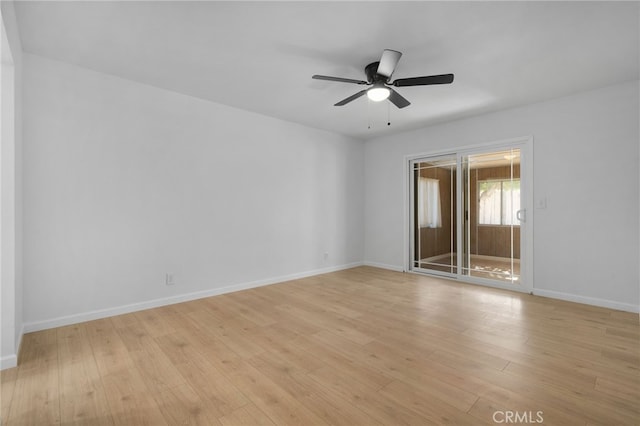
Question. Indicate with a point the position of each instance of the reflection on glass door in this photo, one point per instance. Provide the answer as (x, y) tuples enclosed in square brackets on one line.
[(467, 215)]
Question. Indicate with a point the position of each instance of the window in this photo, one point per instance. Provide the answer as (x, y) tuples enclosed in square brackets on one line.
[(429, 215), (498, 202)]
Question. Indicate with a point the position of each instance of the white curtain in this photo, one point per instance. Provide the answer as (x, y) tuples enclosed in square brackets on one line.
[(510, 202), (429, 215), (499, 202), (489, 202)]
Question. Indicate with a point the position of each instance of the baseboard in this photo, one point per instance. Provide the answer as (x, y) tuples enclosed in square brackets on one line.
[(155, 303), (384, 266), (594, 301), (8, 361)]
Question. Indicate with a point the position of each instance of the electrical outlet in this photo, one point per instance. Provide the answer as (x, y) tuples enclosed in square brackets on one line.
[(169, 279), (326, 256)]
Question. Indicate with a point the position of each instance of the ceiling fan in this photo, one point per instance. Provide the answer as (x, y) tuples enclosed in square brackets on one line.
[(379, 76)]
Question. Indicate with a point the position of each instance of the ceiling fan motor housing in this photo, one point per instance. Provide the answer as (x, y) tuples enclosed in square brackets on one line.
[(373, 77)]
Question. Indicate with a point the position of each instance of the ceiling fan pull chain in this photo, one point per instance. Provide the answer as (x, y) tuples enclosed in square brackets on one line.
[(369, 113), (388, 114)]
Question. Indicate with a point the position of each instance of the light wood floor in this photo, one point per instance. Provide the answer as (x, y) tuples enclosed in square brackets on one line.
[(358, 347)]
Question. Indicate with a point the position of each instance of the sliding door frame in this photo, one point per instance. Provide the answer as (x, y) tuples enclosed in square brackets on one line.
[(525, 144)]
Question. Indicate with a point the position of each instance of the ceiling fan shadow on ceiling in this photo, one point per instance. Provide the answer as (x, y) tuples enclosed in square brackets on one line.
[(379, 76)]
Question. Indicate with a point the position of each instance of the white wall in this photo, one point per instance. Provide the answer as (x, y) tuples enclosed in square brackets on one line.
[(125, 182), (586, 165), (11, 193)]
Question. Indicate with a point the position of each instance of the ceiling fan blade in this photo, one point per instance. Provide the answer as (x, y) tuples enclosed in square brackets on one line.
[(388, 62), (397, 99), (339, 79), (424, 81), (351, 98)]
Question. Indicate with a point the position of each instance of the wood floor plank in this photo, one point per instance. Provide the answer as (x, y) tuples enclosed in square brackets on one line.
[(627, 391), (344, 364), (234, 304), (495, 411), (124, 320), (328, 321), (130, 400), (323, 403), (109, 350), (232, 336), (7, 385), (434, 410), (307, 297), (36, 399), (271, 399), (155, 322), (568, 380), (39, 350), (211, 385), (551, 360), (36, 395), (363, 346), (391, 364), (180, 405), (582, 403), (247, 415), (82, 395), (366, 399), (288, 322), (128, 396), (156, 369)]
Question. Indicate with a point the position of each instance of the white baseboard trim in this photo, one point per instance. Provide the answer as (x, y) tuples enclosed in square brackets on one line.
[(384, 266), (155, 303), (8, 361), (603, 303)]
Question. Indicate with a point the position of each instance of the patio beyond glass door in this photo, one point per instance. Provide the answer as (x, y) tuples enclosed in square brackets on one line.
[(467, 215)]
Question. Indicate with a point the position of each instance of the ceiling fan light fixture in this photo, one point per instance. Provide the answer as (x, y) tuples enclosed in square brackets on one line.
[(378, 93), (379, 75)]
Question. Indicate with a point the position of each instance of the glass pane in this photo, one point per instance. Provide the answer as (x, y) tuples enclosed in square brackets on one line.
[(434, 225), (491, 227)]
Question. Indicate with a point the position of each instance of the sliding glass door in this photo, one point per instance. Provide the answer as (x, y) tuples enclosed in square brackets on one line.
[(467, 215)]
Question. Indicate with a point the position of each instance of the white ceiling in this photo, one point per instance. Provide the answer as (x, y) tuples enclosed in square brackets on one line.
[(260, 56)]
